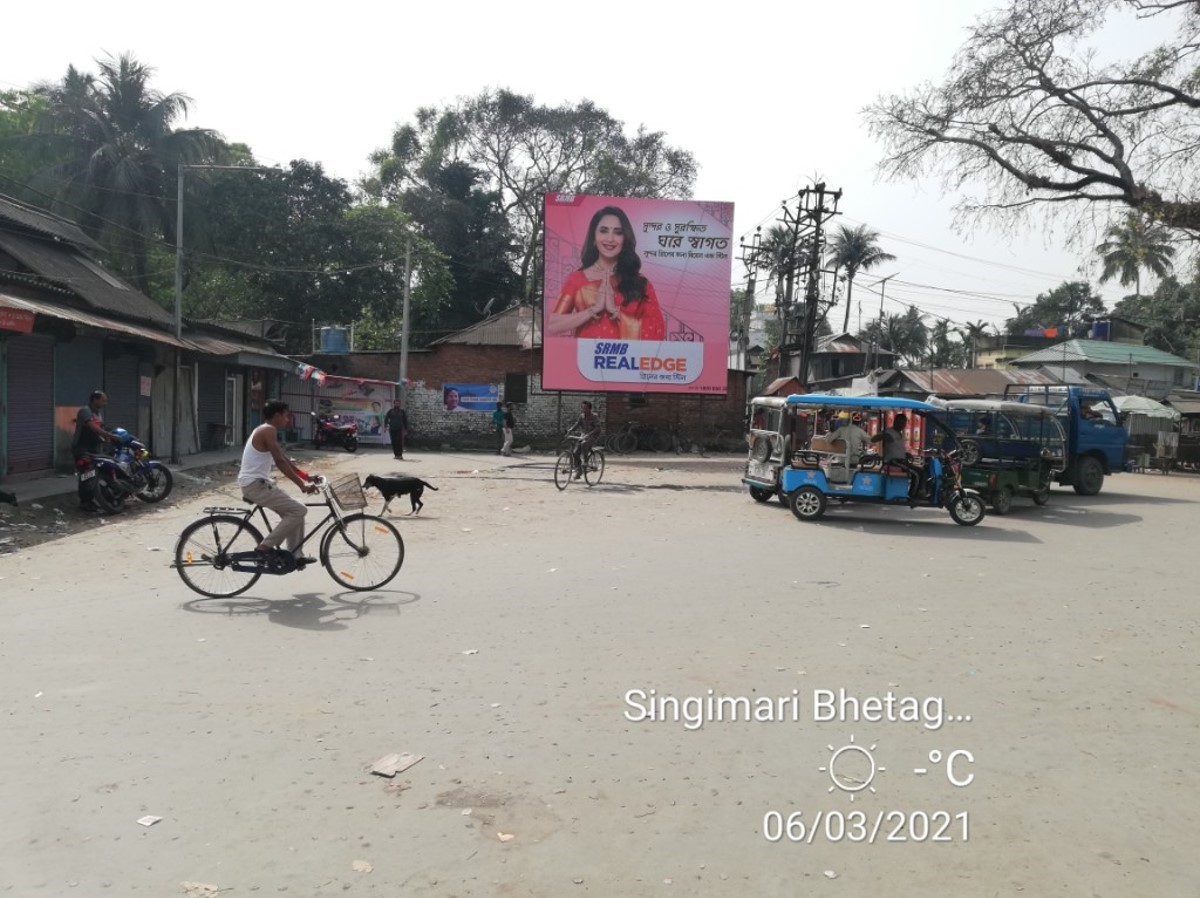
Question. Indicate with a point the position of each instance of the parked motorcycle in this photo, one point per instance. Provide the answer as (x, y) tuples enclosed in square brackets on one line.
[(329, 430), (108, 481)]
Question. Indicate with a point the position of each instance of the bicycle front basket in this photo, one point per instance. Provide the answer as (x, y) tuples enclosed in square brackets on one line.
[(348, 492)]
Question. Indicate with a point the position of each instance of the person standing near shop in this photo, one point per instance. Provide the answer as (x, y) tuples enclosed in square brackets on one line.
[(396, 422), (510, 424)]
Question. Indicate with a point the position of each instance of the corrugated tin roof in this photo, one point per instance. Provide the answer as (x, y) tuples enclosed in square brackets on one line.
[(45, 223), (846, 343), (59, 310), (961, 381), (516, 326), (62, 264), (1101, 352)]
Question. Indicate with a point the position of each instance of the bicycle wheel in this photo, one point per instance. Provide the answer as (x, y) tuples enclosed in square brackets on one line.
[(593, 467), (202, 555), (563, 469), (627, 442), (362, 552)]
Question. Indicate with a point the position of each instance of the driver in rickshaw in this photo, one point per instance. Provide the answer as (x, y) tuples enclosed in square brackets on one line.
[(895, 453)]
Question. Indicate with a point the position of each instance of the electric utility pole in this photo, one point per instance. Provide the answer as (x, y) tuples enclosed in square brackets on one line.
[(750, 253), (814, 207)]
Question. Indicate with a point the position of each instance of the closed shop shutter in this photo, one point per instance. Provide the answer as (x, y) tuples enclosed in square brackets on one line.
[(30, 403), (210, 405), (121, 385)]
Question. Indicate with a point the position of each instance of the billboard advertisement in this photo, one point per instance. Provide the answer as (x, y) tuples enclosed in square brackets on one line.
[(636, 294), (470, 397)]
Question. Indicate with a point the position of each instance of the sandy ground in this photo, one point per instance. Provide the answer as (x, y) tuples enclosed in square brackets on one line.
[(504, 654)]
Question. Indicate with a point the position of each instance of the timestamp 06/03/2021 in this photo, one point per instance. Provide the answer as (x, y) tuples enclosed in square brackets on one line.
[(866, 827)]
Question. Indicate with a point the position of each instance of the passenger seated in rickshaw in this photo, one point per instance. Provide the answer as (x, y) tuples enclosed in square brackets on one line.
[(895, 454), (854, 443)]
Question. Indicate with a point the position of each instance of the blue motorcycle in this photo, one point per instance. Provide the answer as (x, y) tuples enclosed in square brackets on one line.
[(111, 480)]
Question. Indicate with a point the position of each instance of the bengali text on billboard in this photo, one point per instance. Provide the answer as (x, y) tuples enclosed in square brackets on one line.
[(636, 294)]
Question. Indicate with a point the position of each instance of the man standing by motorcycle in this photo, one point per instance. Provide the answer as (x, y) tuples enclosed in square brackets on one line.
[(262, 450), (90, 437)]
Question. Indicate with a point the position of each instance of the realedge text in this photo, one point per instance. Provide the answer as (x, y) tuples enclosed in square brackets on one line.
[(826, 706)]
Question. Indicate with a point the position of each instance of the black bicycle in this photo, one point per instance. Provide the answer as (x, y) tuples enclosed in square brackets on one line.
[(218, 555), (591, 461)]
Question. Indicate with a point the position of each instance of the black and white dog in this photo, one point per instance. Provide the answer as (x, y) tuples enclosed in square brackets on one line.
[(391, 487)]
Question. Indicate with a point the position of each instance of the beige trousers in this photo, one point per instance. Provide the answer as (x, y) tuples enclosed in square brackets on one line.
[(268, 494)]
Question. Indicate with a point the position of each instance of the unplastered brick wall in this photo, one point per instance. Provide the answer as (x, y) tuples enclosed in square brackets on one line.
[(542, 419)]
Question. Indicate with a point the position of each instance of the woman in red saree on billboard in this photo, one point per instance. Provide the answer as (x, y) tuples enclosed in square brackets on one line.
[(607, 298)]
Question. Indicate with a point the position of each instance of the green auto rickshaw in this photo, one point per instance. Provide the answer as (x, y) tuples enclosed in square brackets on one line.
[(1007, 449)]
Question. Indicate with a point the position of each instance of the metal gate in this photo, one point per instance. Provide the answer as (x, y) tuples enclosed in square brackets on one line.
[(30, 403)]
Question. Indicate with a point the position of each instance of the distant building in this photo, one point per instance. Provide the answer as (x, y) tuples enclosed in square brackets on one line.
[(1125, 367)]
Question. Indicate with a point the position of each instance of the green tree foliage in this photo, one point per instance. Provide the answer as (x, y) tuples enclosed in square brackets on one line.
[(853, 250), (1171, 315), (452, 211), (1033, 113), (292, 246), (19, 114), (972, 332), (107, 150), (1133, 246), (904, 334), (944, 349), (523, 150), (1067, 305)]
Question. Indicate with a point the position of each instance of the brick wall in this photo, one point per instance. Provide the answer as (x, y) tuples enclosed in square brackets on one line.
[(546, 414)]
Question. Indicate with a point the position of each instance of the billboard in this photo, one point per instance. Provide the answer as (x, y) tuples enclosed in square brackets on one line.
[(470, 397), (636, 294)]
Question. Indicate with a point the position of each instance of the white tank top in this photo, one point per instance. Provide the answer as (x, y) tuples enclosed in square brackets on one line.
[(256, 465)]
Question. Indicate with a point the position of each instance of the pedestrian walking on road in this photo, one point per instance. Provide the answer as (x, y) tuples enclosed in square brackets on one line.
[(396, 421), (510, 424)]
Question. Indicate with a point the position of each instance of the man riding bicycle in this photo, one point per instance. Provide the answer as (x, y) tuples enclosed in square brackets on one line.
[(588, 428), (261, 452)]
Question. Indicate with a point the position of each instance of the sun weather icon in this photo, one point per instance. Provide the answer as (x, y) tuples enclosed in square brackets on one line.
[(852, 768)]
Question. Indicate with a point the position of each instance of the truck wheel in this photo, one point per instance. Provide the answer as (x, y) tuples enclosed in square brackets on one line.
[(1089, 476)]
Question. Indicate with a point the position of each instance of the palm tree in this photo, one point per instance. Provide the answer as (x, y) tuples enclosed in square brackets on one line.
[(854, 250), (1132, 246), (112, 155), (972, 332), (906, 335)]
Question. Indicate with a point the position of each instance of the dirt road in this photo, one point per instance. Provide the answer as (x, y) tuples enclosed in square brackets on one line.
[(526, 644)]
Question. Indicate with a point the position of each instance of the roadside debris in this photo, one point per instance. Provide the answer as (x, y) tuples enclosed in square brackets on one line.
[(149, 820), (390, 765)]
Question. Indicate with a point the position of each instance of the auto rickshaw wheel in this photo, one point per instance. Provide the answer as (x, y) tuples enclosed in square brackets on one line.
[(761, 494), (808, 503), (968, 452), (967, 509), (1002, 501), (1042, 494)]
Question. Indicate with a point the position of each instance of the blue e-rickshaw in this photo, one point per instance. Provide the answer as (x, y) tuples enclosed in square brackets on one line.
[(819, 469)]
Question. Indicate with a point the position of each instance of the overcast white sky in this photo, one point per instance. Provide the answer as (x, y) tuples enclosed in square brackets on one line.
[(764, 95)]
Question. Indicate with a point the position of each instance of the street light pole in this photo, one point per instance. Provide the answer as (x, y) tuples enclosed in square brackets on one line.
[(178, 314), (404, 324), (175, 412)]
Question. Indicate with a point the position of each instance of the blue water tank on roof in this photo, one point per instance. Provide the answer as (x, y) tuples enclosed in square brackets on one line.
[(335, 339)]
